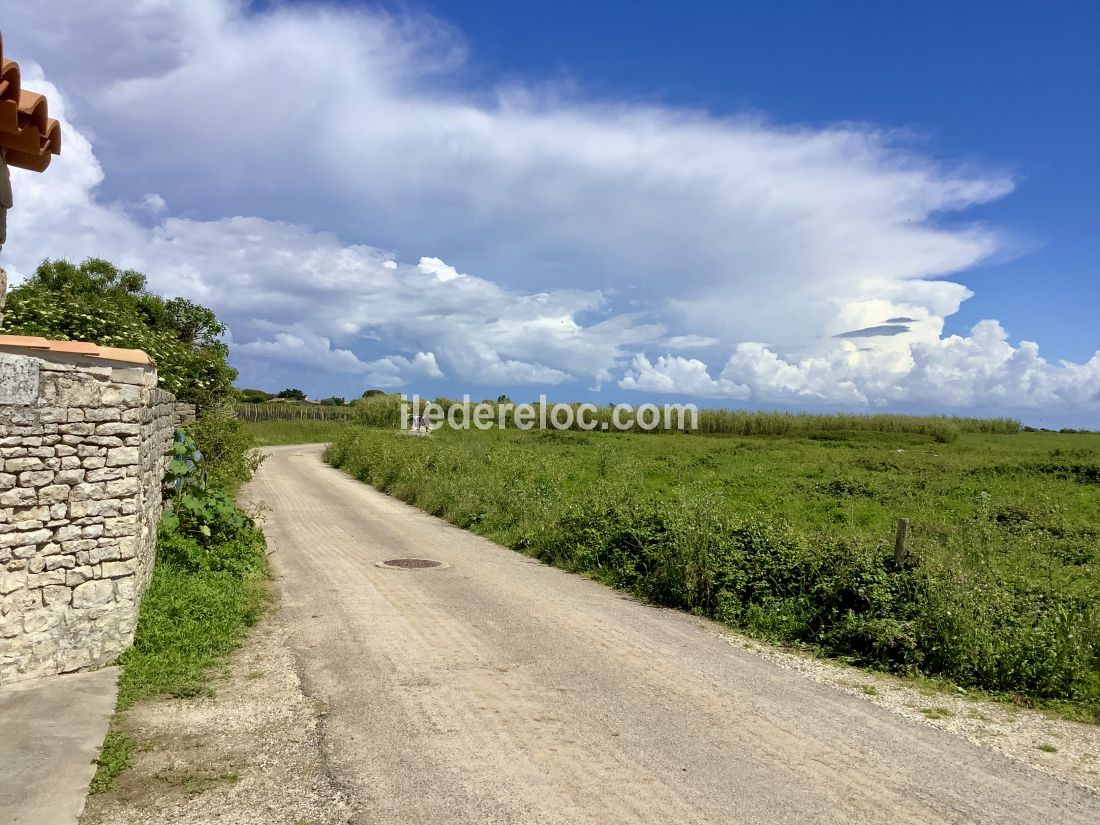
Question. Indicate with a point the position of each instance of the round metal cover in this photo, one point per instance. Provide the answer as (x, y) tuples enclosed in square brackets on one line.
[(410, 564)]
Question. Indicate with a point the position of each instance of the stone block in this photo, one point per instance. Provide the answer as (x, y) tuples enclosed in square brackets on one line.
[(67, 476), (26, 524), (104, 552), (38, 620), (78, 575), (55, 493), (105, 474), (19, 379), (18, 496), (11, 626), (35, 478), (86, 491), (12, 581), (72, 390), (122, 456), (77, 428), (122, 488), (19, 465), (95, 593), (117, 569), (131, 375), (56, 595), (77, 545), (41, 513), (30, 537), (118, 429), (81, 509), (105, 414), (104, 440), (69, 531), (120, 526), (122, 395)]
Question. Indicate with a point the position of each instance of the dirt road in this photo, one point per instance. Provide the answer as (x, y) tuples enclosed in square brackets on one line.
[(498, 690)]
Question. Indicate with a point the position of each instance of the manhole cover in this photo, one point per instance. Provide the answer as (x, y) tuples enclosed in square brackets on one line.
[(410, 564)]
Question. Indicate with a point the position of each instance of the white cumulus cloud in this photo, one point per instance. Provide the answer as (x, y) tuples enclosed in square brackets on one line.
[(282, 165)]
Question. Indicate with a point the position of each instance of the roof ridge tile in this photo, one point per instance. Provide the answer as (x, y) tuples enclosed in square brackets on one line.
[(33, 343)]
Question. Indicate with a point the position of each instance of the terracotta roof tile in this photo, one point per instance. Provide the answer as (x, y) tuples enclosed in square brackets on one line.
[(28, 135), (29, 344)]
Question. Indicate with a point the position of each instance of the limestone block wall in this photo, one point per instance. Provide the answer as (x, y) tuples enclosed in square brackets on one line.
[(185, 413), (83, 449)]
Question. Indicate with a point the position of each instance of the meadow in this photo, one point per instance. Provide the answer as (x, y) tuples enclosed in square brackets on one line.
[(272, 432), (790, 537)]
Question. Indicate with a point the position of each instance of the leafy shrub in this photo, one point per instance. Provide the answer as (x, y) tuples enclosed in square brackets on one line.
[(187, 468), (377, 409), (95, 301), (247, 396), (206, 532), (227, 446)]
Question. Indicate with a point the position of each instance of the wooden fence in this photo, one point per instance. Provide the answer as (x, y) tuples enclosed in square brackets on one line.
[(293, 412)]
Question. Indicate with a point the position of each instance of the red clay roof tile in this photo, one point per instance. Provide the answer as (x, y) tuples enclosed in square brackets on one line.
[(28, 135)]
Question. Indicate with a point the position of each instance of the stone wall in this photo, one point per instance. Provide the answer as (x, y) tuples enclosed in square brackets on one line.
[(185, 414), (83, 449)]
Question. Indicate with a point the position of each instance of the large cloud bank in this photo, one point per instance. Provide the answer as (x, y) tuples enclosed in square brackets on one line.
[(328, 181)]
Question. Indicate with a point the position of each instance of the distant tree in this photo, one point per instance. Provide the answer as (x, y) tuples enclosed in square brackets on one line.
[(332, 401), (372, 393), (254, 396), (503, 399), (292, 395)]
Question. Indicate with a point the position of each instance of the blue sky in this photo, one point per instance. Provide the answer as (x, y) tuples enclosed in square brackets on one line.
[(727, 203), (1013, 84)]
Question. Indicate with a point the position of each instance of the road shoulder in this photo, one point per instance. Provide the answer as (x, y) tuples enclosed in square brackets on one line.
[(248, 752)]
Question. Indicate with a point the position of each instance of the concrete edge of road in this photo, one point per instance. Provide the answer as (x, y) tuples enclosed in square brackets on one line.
[(51, 730)]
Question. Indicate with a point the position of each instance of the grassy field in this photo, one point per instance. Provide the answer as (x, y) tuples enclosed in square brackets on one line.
[(791, 537), (304, 431)]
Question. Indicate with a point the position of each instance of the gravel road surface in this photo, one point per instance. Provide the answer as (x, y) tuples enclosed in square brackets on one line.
[(498, 690)]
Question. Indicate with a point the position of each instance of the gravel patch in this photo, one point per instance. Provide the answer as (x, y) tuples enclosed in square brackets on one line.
[(1069, 751), (251, 752)]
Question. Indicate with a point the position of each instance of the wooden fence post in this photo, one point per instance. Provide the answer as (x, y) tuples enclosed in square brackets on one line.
[(900, 552)]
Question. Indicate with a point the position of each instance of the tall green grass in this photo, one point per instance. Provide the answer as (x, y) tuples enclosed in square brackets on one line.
[(944, 428), (385, 411), (791, 537), (270, 433)]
